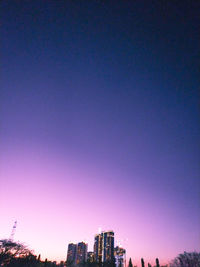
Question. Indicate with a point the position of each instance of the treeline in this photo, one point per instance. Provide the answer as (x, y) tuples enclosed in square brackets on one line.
[(185, 259), (14, 254)]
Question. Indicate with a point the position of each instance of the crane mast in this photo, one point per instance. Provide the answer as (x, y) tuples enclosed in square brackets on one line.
[(13, 231)]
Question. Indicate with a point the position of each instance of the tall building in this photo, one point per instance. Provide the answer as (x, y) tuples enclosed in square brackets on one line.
[(108, 246), (104, 247), (98, 248), (81, 253), (120, 257), (71, 254)]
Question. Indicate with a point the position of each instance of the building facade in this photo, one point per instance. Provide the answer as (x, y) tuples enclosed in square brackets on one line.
[(90, 256), (104, 247), (120, 257), (81, 256), (71, 254), (108, 246), (98, 248)]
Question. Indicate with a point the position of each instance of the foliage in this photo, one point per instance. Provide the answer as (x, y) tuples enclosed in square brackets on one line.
[(186, 260), (130, 263), (15, 254), (11, 252), (157, 262), (142, 262)]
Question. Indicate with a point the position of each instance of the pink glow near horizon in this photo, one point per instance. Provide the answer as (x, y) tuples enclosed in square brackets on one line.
[(54, 206)]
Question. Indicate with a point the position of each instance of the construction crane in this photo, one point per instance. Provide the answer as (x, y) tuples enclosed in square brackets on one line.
[(13, 231)]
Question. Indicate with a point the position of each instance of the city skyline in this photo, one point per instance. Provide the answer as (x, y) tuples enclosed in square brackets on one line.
[(104, 251), (99, 125)]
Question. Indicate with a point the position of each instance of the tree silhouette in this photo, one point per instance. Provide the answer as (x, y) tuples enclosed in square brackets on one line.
[(157, 263), (186, 259), (11, 252), (142, 262), (130, 263)]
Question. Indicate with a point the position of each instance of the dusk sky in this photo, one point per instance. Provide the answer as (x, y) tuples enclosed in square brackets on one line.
[(99, 125)]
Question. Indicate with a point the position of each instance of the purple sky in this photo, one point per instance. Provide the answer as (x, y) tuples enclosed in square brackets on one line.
[(99, 125)]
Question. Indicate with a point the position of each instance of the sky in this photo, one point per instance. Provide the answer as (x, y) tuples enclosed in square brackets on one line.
[(99, 125)]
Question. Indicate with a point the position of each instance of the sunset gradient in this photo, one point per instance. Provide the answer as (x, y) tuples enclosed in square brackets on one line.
[(99, 126)]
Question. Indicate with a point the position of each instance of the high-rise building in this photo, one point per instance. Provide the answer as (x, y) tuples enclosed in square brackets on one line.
[(104, 247), (71, 254), (120, 257), (81, 253), (98, 248), (108, 246)]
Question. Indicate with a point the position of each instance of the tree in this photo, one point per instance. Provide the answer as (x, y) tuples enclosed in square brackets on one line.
[(130, 263), (142, 262), (157, 263), (12, 251), (186, 259)]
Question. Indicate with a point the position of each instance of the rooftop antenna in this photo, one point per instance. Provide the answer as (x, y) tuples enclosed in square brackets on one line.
[(13, 231)]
